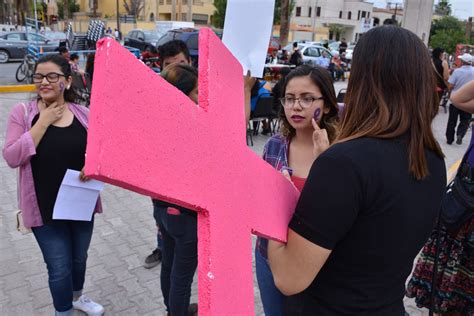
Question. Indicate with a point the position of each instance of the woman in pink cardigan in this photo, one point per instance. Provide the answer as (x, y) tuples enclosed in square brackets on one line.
[(44, 138)]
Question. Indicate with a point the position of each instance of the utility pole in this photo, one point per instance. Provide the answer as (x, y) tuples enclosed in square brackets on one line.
[(118, 16)]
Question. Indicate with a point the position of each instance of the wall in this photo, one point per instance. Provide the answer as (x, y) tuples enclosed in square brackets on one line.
[(417, 17)]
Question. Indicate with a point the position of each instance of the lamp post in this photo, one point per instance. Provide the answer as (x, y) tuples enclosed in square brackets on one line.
[(118, 16)]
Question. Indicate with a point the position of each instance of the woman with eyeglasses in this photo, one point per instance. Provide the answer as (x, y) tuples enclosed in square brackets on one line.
[(309, 123), (370, 200), (44, 138)]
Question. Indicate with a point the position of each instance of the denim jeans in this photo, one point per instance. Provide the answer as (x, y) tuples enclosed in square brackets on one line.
[(64, 246), (159, 238), (272, 298), (179, 257)]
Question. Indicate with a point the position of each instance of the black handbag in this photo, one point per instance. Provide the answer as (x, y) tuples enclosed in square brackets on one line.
[(457, 205)]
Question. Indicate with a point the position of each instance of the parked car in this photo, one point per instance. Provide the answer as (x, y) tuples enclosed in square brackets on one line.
[(188, 35), (58, 36), (142, 39), (13, 44), (312, 52), (349, 52)]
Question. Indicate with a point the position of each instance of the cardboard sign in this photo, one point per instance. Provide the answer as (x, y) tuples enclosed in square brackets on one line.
[(148, 137)]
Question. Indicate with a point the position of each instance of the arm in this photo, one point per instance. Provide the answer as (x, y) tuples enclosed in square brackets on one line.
[(19, 145), (249, 81), (464, 97), (445, 70), (322, 218), (296, 264)]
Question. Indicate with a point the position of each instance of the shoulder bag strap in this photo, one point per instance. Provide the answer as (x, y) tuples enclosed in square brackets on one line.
[(439, 75)]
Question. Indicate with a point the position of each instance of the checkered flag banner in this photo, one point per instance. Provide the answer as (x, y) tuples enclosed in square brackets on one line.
[(96, 30)]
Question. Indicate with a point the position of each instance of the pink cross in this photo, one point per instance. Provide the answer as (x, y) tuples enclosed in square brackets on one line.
[(148, 137)]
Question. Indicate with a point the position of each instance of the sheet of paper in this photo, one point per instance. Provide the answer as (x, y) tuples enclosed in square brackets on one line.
[(247, 32), (76, 200)]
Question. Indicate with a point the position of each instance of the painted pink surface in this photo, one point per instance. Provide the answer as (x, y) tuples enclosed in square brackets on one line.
[(148, 137)]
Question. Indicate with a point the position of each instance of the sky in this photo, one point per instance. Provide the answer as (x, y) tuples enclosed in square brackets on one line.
[(461, 9)]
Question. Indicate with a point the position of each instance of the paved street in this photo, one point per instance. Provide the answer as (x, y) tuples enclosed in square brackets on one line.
[(7, 73), (124, 235)]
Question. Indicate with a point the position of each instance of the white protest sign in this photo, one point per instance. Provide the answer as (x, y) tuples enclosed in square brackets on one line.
[(247, 32)]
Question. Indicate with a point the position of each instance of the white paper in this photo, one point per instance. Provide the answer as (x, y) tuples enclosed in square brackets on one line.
[(76, 199), (247, 32)]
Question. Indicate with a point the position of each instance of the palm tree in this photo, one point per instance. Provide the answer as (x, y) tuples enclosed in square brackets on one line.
[(443, 8)]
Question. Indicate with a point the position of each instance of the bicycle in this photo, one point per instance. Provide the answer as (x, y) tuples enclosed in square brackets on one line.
[(26, 68)]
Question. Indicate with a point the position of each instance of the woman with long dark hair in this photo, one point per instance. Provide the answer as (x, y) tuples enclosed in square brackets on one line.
[(370, 200), (45, 137)]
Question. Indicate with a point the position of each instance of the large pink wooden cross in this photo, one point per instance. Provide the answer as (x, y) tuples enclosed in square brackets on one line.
[(148, 137)]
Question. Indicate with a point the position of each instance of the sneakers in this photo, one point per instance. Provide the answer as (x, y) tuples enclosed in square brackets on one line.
[(153, 260), (88, 306), (459, 140), (193, 309)]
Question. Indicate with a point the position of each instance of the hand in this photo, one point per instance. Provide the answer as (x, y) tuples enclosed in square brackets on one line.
[(82, 176), (52, 113), (249, 81), (287, 175), (320, 139)]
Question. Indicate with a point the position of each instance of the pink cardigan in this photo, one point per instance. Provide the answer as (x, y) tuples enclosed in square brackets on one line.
[(18, 150)]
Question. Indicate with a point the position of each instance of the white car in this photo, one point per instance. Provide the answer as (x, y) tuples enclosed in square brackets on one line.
[(311, 53), (349, 52)]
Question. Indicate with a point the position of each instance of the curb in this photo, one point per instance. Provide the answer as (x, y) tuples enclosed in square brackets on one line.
[(17, 88)]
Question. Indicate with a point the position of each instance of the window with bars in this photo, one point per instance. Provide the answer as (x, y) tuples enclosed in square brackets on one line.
[(318, 11), (298, 11), (340, 14), (309, 12), (349, 15)]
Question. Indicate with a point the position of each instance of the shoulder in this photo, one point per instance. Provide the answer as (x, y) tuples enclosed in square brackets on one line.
[(79, 108), (274, 145)]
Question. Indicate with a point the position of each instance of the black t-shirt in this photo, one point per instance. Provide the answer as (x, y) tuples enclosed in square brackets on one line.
[(361, 202), (61, 148)]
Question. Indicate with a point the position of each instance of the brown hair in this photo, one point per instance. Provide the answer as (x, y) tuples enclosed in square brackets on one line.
[(392, 92), (182, 76), (322, 79)]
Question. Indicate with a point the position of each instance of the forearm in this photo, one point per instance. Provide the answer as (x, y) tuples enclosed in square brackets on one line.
[(464, 97), (247, 104), (37, 132)]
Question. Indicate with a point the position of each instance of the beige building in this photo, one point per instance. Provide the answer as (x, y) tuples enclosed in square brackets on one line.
[(314, 20), (199, 11), (381, 14)]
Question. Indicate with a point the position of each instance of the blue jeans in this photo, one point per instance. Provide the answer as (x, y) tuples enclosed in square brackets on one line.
[(159, 238), (179, 258), (272, 298), (64, 246)]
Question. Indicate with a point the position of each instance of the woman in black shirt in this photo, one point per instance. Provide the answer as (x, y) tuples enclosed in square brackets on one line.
[(370, 200)]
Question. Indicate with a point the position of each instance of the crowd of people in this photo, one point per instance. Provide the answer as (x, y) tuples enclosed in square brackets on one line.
[(371, 179)]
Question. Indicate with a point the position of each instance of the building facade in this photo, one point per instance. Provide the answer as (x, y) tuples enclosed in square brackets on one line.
[(316, 20), (198, 11), (381, 15)]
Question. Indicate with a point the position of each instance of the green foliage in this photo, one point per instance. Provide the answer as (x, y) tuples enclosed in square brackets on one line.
[(443, 8), (446, 33), (220, 5), (448, 39), (73, 7), (219, 14)]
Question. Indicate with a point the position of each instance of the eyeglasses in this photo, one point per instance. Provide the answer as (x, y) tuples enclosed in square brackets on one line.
[(52, 77), (305, 102)]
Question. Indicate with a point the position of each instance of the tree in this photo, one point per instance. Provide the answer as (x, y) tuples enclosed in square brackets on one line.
[(134, 7), (73, 7), (219, 14), (285, 21), (446, 33), (336, 30), (443, 8)]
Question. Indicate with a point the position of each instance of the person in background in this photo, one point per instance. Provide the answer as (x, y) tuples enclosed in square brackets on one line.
[(74, 62), (63, 51), (460, 77), (90, 65), (342, 46), (441, 69), (173, 52), (296, 57), (260, 88), (306, 90), (44, 139), (359, 223), (323, 60), (337, 68), (454, 295)]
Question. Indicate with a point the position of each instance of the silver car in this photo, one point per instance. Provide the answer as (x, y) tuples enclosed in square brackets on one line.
[(13, 44)]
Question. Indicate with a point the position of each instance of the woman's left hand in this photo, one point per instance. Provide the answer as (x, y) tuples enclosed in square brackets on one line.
[(82, 176)]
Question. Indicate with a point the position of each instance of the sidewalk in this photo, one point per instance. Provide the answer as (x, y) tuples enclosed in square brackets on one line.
[(124, 235)]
